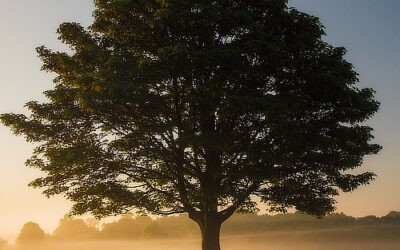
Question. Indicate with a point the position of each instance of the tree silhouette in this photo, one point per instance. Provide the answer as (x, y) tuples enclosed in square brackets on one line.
[(173, 106), (31, 233), (127, 227), (74, 229)]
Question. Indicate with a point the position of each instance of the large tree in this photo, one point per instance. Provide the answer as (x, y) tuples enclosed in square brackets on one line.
[(198, 107)]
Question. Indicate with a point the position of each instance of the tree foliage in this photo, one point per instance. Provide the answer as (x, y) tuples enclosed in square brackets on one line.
[(127, 227), (31, 233), (197, 107), (77, 229)]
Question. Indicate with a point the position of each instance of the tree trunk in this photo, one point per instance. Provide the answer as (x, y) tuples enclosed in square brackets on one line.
[(210, 228)]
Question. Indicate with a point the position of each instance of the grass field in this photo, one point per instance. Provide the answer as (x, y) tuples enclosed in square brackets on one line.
[(344, 239)]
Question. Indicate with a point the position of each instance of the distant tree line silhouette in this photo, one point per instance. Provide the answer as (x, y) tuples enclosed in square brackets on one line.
[(129, 227)]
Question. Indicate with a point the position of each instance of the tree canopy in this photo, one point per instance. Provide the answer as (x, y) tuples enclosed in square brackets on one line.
[(30, 233), (77, 229), (176, 106)]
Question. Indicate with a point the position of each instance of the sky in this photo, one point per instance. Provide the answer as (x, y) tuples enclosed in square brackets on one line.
[(368, 29)]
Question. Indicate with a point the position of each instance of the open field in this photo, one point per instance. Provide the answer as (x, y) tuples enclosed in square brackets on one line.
[(337, 239)]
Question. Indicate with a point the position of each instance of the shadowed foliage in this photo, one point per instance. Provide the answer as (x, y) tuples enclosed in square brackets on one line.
[(198, 107), (76, 229), (126, 228), (31, 233)]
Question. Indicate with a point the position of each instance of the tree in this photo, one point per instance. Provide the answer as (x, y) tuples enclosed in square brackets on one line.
[(174, 106), (75, 229), (126, 228), (31, 233)]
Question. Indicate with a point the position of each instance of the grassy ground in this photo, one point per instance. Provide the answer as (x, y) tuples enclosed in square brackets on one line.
[(344, 239)]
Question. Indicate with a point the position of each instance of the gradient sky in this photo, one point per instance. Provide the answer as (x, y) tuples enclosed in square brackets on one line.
[(367, 28)]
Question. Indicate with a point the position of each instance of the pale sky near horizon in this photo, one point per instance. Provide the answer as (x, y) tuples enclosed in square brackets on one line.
[(367, 28)]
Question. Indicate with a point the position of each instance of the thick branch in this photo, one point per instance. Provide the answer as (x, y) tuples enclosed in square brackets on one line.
[(228, 212)]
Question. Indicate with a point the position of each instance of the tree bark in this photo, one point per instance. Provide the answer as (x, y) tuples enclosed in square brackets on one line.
[(210, 227)]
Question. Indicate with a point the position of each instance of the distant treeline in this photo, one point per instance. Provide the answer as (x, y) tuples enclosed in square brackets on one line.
[(129, 227)]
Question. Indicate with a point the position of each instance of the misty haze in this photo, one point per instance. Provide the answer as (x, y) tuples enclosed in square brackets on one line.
[(242, 232)]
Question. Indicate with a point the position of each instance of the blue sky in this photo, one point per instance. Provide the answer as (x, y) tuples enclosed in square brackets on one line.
[(367, 28)]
